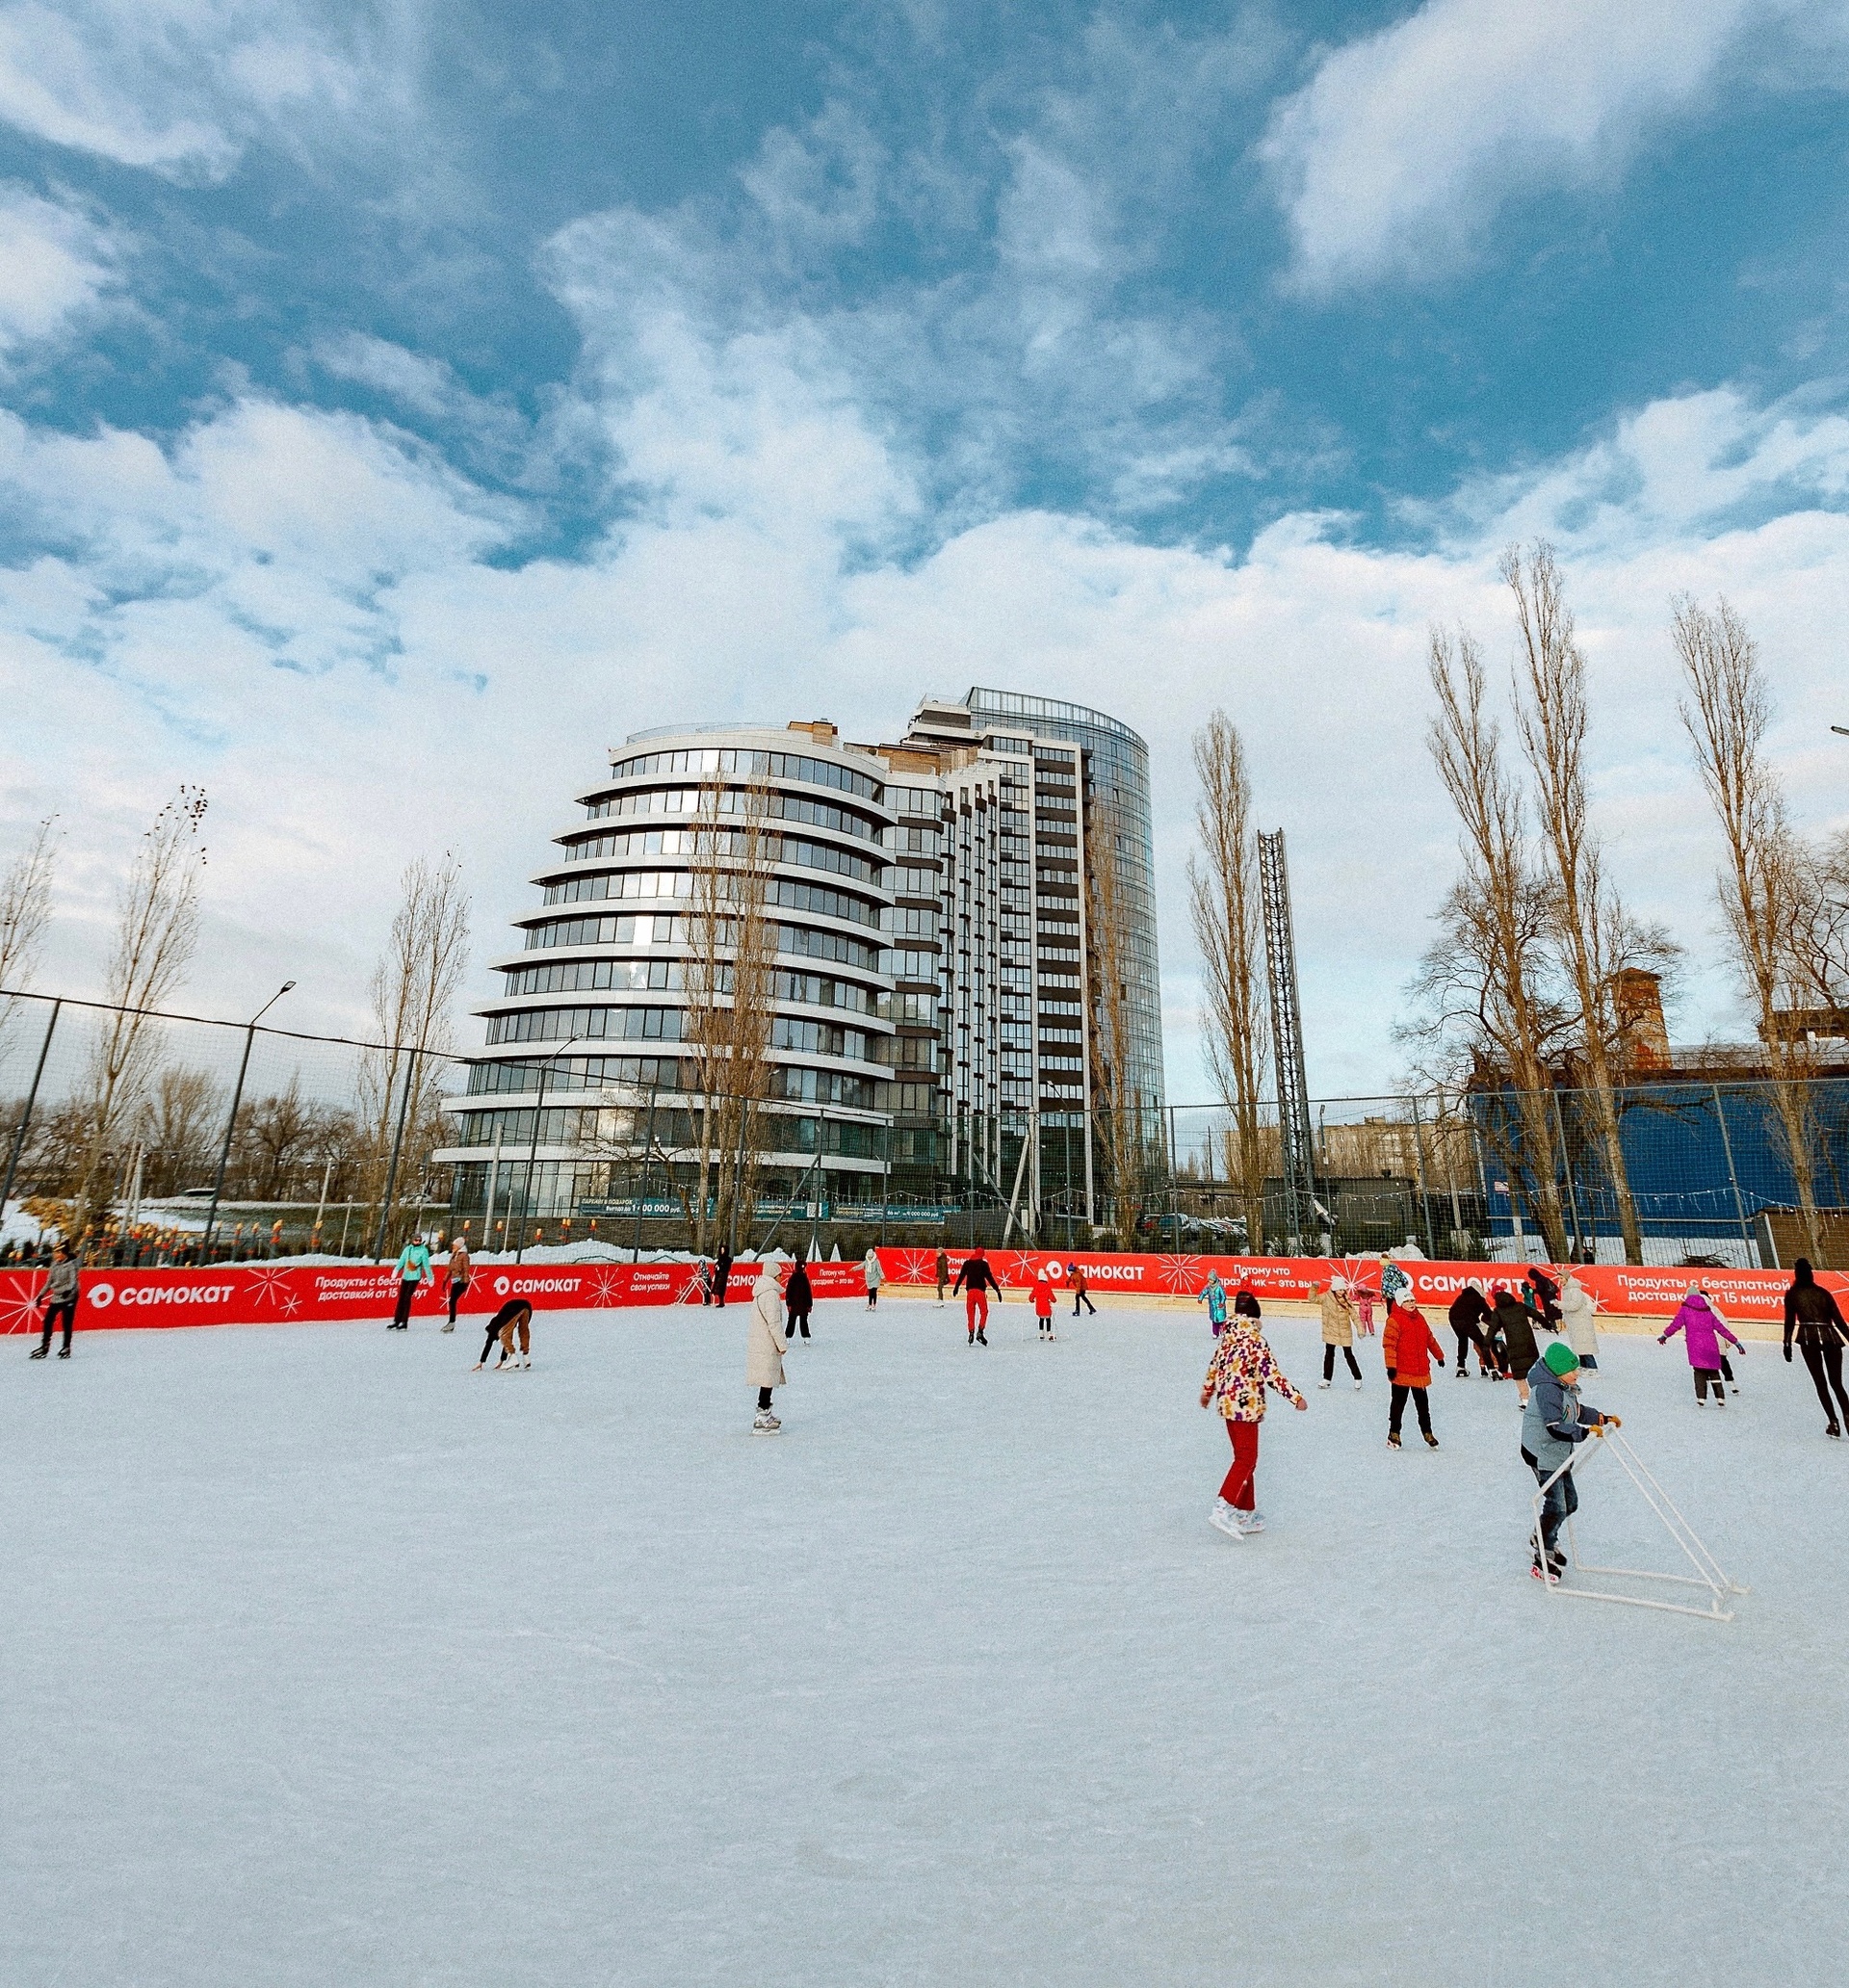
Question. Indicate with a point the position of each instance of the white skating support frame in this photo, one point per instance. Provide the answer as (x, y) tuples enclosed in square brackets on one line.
[(1718, 1590)]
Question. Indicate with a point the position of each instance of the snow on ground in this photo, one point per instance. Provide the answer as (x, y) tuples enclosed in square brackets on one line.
[(332, 1661)]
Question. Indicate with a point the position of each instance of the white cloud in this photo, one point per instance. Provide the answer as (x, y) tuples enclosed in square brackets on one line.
[(180, 87), (1396, 154), (57, 265)]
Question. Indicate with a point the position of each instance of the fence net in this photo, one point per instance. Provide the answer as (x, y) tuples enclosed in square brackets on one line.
[(169, 1138)]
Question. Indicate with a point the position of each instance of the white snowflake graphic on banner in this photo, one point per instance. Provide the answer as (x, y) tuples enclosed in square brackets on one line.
[(269, 1284), (18, 1313), (1181, 1273)]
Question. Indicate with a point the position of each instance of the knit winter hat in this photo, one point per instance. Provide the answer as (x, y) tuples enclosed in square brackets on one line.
[(1560, 1358)]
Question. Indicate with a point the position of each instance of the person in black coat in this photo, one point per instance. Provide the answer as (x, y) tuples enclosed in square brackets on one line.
[(975, 1280), (1468, 1310), (1514, 1327), (798, 1299), (721, 1276), (1812, 1314)]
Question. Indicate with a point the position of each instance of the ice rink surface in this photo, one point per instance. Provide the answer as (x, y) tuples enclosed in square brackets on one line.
[(330, 1661)]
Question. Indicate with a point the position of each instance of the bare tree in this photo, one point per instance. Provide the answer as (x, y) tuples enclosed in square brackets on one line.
[(1223, 903), (1551, 698), (1727, 713), (730, 982), (157, 928), (184, 1107), (1496, 918), (414, 989), (1117, 1108), (277, 1134), (25, 911)]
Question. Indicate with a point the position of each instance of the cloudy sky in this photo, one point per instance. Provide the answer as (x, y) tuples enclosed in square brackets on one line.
[(402, 402)]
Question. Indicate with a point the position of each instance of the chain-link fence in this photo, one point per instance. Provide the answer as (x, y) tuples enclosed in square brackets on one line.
[(167, 1137)]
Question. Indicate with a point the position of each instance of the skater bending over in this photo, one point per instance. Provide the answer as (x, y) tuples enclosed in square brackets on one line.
[(975, 1280), (1468, 1310), (1338, 1328), (764, 1349), (1701, 1331), (513, 1317), (1812, 1313), (1409, 1349), (1553, 1423), (1238, 1376)]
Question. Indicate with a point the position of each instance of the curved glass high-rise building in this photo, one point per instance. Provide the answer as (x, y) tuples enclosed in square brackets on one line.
[(599, 1004), (938, 905)]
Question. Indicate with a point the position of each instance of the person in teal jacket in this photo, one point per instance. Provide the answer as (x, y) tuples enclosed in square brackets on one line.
[(1213, 1296), (413, 1270)]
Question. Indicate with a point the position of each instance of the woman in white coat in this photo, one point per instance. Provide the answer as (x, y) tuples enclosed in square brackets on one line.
[(1576, 1322), (875, 1277), (764, 1348)]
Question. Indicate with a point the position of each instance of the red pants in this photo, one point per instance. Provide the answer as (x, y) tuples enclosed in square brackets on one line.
[(1237, 1487), (975, 1308)]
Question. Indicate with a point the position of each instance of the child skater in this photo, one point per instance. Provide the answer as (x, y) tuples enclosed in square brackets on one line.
[(1043, 1305), (1238, 1376), (1701, 1333)]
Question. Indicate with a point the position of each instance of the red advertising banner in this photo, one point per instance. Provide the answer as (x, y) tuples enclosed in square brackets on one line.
[(323, 1293), (1617, 1291)]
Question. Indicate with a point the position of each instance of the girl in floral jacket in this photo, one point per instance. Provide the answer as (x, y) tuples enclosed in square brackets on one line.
[(1238, 1376)]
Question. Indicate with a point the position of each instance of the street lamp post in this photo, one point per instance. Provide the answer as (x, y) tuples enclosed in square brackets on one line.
[(230, 1123), (532, 1152)]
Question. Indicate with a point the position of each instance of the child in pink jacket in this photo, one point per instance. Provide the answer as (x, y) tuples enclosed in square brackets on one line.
[(1701, 1333)]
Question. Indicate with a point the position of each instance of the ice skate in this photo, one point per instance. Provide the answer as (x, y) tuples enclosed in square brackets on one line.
[(764, 1424), (1392, 1439), (981, 1339), (1431, 1442), (526, 1363), (64, 1352), (1251, 1521), (1322, 1383), (1226, 1519), (39, 1352), (1357, 1387), (1833, 1430)]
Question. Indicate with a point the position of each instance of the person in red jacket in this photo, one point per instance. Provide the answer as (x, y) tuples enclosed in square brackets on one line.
[(975, 1280), (1409, 1349), (1043, 1305)]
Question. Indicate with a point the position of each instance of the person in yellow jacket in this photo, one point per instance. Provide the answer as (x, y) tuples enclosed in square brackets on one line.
[(1338, 1328)]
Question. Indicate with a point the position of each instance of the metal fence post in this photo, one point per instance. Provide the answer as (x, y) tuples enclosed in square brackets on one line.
[(25, 1116), (1739, 1203), (1418, 1160)]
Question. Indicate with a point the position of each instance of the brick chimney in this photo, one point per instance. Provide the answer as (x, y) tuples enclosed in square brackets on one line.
[(1637, 994)]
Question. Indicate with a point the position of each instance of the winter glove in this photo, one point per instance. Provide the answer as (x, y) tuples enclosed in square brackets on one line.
[(1612, 1422), (1663, 1340)]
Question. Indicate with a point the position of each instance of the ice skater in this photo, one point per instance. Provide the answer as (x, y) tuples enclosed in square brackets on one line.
[(413, 1270), (941, 1269), (1238, 1376), (975, 1280), (799, 1299), (1577, 1323), (513, 1319), (1043, 1304), (1337, 1330), (1468, 1310), (460, 1271), (1812, 1314), (1553, 1423), (721, 1275), (60, 1299), (1081, 1290), (1409, 1349), (1701, 1333), (1246, 1305), (764, 1349), (1514, 1325), (875, 1277), (1213, 1294)]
